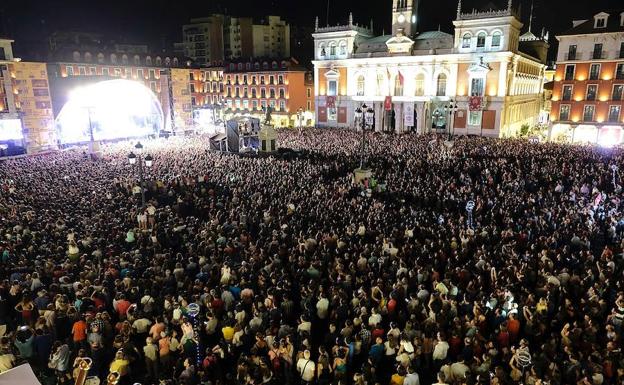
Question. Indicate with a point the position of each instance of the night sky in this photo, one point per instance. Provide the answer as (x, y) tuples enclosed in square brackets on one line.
[(158, 22)]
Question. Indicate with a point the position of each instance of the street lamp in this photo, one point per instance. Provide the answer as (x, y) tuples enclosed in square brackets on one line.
[(148, 161), (451, 109), (300, 119), (363, 114)]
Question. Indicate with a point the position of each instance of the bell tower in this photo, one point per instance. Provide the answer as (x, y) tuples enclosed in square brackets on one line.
[(404, 17)]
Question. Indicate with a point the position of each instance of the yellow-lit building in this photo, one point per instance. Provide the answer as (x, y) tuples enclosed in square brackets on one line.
[(488, 68)]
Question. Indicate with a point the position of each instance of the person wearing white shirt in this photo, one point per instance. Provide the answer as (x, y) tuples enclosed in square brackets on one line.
[(411, 378), (322, 307), (440, 349), (306, 368)]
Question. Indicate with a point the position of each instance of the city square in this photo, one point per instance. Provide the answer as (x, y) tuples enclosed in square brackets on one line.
[(271, 201)]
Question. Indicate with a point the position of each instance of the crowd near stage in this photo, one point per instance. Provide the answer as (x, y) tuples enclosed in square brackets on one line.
[(463, 261)]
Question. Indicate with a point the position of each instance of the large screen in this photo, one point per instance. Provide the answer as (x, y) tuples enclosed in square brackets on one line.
[(11, 129), (109, 110)]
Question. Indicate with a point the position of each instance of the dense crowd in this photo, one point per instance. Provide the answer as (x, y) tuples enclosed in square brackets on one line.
[(302, 276)]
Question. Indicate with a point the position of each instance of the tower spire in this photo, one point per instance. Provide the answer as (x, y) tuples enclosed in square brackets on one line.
[(350, 18), (316, 23), (459, 6), (509, 5)]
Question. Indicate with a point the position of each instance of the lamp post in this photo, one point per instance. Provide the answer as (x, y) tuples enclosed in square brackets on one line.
[(363, 114), (299, 119), (451, 109), (148, 160)]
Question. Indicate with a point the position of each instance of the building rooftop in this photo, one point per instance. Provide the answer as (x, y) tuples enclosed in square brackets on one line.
[(586, 27)]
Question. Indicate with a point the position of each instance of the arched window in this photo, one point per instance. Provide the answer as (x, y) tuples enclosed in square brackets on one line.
[(148, 61), (253, 93), (240, 66), (167, 61), (481, 40), (88, 57), (361, 83), (332, 49), (398, 86), (175, 61), (113, 58), (256, 66), (124, 59), (158, 61), (322, 52), (248, 66), (441, 85), (284, 64), (274, 65), (76, 56), (466, 40), (100, 57), (265, 66), (496, 39), (380, 85), (137, 60), (343, 48), (419, 89)]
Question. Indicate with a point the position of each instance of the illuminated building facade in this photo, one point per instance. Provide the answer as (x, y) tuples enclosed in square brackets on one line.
[(252, 86), (491, 71), (26, 116), (588, 91)]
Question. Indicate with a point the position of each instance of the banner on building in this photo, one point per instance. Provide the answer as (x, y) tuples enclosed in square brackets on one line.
[(388, 103), (408, 119), (475, 103), (330, 102)]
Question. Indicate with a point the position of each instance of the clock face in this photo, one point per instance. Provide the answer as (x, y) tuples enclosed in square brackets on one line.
[(401, 19)]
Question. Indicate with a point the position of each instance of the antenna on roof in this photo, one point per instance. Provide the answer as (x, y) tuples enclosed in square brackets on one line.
[(371, 25), (531, 17)]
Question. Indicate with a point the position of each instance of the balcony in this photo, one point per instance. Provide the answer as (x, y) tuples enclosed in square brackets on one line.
[(597, 55), (572, 56)]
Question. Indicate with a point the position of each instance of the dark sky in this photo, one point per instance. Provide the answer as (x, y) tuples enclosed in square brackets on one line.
[(158, 22)]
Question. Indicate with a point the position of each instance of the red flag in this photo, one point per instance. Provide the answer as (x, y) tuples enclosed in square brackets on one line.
[(389, 76), (401, 78)]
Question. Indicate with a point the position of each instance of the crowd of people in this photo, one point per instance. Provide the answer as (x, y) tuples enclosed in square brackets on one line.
[(273, 269)]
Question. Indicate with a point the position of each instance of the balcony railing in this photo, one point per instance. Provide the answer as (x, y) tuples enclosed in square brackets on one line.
[(597, 55), (572, 56)]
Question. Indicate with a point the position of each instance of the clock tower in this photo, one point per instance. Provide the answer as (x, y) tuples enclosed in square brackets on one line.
[(404, 17)]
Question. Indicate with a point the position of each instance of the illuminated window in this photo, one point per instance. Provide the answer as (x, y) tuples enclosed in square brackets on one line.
[(441, 85), (309, 92), (496, 39), (82, 71), (124, 59), (564, 112), (618, 90), (481, 40), (592, 89), (360, 86), (282, 94), (594, 72), (282, 105), (466, 40), (619, 72), (477, 87), (420, 85), (567, 92), (380, 84), (614, 114), (105, 72), (332, 88), (70, 70), (588, 113), (398, 86), (332, 49), (475, 118)]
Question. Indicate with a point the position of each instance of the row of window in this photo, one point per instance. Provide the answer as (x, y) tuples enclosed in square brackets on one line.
[(256, 66), (208, 100), (398, 89), (597, 53), (592, 92), (595, 71), (127, 72), (589, 113), (255, 104), (254, 94), (77, 56), (207, 87), (495, 42), (206, 76), (242, 79)]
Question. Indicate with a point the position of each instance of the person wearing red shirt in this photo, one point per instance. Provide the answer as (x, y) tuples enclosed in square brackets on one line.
[(79, 332), (122, 307)]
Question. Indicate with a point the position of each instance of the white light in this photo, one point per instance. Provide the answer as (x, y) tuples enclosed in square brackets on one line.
[(413, 19), (610, 136), (11, 129), (115, 108), (401, 19)]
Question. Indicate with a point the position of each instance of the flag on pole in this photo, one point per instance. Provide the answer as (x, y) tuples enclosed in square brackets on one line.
[(401, 78), (389, 76)]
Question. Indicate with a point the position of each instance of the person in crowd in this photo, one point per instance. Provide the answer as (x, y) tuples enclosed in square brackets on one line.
[(302, 275)]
